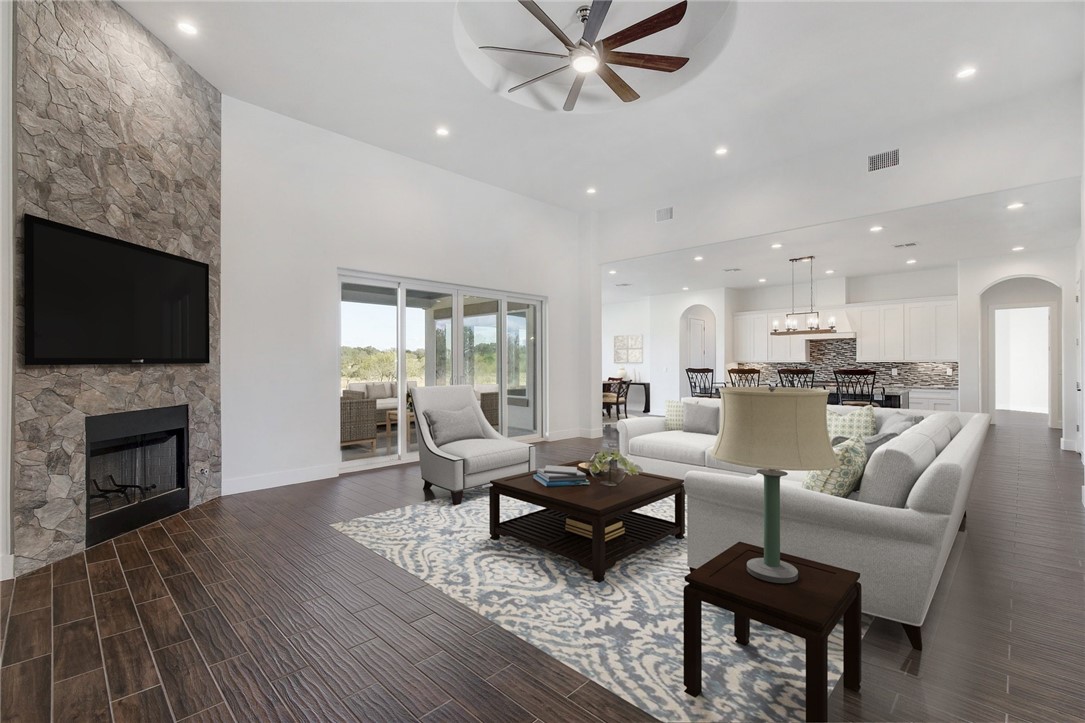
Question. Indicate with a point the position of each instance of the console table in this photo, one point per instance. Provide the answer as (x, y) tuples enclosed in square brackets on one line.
[(809, 608)]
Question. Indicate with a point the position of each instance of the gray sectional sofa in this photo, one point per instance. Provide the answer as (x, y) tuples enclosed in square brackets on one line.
[(896, 530)]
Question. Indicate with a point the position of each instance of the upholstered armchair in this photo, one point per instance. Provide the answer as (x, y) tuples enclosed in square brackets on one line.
[(459, 448)]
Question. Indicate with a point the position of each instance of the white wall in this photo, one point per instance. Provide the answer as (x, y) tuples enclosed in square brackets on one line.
[(974, 277), (1021, 360), (940, 281), (622, 319), (667, 369), (298, 204), (7, 294)]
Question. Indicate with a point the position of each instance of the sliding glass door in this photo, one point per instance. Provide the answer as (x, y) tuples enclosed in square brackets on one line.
[(425, 335)]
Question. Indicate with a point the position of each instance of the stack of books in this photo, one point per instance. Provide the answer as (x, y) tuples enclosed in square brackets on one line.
[(614, 529), (558, 476)]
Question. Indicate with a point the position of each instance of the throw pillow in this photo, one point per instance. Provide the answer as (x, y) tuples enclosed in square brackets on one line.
[(701, 418), (840, 480), (448, 425), (854, 425), (674, 411), (870, 443)]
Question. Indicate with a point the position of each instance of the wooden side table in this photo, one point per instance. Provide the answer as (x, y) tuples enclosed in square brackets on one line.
[(809, 608)]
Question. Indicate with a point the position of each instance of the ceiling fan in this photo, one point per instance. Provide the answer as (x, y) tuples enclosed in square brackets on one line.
[(590, 56)]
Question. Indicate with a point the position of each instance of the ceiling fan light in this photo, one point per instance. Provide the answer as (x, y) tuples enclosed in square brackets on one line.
[(585, 62)]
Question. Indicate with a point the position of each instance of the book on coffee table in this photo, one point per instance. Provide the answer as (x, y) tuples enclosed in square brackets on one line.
[(614, 529), (560, 481)]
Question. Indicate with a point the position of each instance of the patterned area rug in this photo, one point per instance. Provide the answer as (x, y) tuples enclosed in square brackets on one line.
[(624, 633)]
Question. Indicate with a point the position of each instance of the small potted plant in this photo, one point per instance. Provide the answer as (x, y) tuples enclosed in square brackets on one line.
[(610, 467)]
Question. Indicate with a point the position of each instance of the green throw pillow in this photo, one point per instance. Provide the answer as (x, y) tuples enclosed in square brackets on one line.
[(854, 425), (675, 415), (841, 480)]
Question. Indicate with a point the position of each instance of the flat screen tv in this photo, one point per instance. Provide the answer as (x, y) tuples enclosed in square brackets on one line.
[(92, 299)]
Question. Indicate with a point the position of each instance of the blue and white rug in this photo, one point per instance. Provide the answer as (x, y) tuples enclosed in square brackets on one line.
[(624, 633)]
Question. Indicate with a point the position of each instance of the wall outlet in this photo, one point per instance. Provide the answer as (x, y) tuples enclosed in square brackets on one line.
[(949, 371), (893, 371)]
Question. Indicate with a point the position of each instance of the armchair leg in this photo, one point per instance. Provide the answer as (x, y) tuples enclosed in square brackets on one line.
[(457, 497), (914, 634)]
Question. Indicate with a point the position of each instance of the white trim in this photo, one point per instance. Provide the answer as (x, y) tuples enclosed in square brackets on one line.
[(7, 566), (1069, 445), (282, 478), (574, 434), (7, 279), (385, 460)]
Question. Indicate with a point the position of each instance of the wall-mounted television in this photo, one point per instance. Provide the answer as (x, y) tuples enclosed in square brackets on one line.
[(92, 299)]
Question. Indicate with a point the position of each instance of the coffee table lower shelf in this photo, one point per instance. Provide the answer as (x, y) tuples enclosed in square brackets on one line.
[(546, 529)]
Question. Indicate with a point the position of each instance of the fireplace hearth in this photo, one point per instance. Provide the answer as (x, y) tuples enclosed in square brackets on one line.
[(137, 469)]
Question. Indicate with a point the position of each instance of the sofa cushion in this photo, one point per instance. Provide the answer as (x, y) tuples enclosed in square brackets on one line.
[(896, 422), (452, 425), (378, 390), (839, 481), (673, 415), (676, 446), (893, 469), (859, 423), (937, 428), (358, 388), (700, 418), (483, 455)]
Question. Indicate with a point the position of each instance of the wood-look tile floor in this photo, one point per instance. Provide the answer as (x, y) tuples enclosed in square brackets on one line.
[(251, 608)]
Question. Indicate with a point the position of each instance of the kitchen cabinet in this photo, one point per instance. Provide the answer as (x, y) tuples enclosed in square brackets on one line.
[(930, 331), (942, 400), (879, 333), (753, 341)]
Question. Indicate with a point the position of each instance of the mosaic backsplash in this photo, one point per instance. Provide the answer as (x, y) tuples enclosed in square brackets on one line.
[(828, 354)]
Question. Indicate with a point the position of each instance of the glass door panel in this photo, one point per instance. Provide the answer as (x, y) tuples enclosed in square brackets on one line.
[(369, 370), (481, 353), (522, 393), (428, 350)]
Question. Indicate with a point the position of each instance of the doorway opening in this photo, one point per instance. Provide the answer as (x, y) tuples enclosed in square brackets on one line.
[(1022, 351)]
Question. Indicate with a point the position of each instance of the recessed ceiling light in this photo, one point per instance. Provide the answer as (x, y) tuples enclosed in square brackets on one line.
[(187, 28), (777, 246), (442, 131), (910, 261), (966, 72), (612, 272), (590, 191), (721, 151), (875, 229), (698, 258), (685, 288), (761, 281), (1018, 248), (829, 271), (1014, 206)]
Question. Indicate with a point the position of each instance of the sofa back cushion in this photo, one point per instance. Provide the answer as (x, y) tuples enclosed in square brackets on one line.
[(939, 428), (857, 424), (894, 468), (700, 418)]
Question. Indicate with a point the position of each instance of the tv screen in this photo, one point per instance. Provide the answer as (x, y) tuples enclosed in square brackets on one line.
[(92, 299)]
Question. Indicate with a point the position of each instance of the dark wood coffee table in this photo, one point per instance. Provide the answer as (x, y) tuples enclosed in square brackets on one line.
[(596, 504)]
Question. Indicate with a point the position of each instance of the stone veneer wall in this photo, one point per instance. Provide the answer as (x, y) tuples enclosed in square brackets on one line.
[(115, 134), (825, 355)]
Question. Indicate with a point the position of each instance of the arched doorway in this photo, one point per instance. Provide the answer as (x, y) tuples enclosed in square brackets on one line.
[(696, 342), (1020, 351)]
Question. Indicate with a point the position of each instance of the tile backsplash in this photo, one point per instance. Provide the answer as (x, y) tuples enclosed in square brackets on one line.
[(825, 355)]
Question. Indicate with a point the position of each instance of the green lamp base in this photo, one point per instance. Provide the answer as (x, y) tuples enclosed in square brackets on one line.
[(782, 573)]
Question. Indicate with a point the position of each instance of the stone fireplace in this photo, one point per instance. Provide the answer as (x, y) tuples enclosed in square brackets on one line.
[(137, 469)]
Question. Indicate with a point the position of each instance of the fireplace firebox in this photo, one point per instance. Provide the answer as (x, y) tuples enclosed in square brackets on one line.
[(137, 469)]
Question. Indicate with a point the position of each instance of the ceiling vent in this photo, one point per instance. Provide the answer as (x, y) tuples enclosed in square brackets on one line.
[(883, 160), (731, 270), (665, 214), (908, 245), (623, 284)]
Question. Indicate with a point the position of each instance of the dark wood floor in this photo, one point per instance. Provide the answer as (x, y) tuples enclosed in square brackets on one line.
[(251, 608)]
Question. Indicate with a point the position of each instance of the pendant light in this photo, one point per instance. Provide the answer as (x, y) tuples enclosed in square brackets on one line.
[(802, 322)]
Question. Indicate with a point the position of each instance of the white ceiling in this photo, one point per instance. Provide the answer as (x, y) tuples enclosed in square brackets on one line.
[(785, 78), (944, 233)]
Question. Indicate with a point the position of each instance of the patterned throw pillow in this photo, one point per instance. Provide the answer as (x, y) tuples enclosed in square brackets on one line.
[(857, 424), (842, 479), (675, 415)]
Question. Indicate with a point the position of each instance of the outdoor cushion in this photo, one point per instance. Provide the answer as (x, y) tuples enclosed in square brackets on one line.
[(681, 447), (894, 468), (451, 425), (700, 418), (859, 423), (483, 455)]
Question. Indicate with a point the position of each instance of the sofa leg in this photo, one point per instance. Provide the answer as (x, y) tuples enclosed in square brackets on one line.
[(964, 523), (426, 485), (457, 497), (915, 637)]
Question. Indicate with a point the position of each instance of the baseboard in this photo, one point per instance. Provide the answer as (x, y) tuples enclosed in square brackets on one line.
[(572, 434), (7, 567), (1069, 445), (255, 482)]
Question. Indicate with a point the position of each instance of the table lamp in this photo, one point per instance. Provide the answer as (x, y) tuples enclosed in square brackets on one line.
[(775, 429)]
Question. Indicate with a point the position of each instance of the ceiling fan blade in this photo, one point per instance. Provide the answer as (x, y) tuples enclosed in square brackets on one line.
[(619, 86), (537, 79), (665, 63), (543, 18), (525, 52), (660, 21), (596, 14), (574, 92)]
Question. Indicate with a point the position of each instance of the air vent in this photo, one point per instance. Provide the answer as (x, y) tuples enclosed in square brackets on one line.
[(731, 270), (665, 214), (908, 245), (623, 284), (883, 160)]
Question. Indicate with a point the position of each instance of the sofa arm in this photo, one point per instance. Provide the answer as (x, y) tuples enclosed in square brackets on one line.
[(635, 427)]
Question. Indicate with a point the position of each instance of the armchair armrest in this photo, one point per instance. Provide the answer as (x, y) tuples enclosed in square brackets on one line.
[(635, 427)]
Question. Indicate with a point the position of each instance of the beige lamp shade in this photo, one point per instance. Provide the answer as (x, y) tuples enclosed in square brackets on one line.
[(775, 428)]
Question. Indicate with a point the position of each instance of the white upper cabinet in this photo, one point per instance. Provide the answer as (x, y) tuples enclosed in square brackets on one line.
[(754, 341), (879, 332), (930, 331)]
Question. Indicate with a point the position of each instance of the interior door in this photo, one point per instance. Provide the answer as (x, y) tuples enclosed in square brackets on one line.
[(695, 355)]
